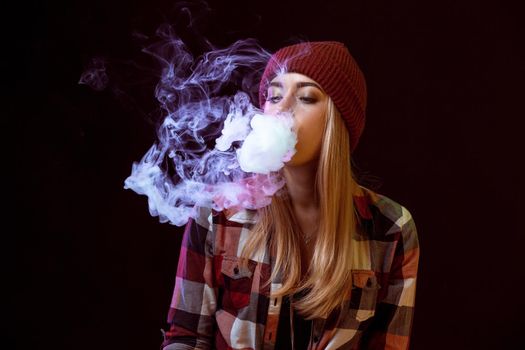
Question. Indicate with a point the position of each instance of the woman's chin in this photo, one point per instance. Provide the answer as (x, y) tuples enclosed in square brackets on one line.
[(296, 162)]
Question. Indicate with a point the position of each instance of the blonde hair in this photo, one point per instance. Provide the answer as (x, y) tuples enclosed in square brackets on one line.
[(328, 280)]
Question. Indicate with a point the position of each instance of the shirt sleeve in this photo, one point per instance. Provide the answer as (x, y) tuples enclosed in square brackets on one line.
[(191, 316), (392, 323)]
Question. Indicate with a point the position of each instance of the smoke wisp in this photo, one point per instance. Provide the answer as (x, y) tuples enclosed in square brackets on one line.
[(214, 147)]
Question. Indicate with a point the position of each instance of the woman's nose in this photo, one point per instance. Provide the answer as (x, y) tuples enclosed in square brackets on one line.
[(286, 104)]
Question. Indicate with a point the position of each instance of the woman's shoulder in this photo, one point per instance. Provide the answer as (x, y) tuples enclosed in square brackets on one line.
[(388, 214), (221, 230)]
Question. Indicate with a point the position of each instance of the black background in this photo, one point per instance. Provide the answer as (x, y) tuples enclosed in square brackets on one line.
[(443, 137)]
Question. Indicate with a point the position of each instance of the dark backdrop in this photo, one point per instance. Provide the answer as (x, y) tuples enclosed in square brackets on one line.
[(445, 79)]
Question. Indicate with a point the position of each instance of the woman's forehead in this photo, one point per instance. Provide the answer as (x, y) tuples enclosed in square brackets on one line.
[(286, 78)]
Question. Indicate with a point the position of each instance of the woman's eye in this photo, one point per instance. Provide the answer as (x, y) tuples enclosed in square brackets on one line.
[(274, 99), (308, 100)]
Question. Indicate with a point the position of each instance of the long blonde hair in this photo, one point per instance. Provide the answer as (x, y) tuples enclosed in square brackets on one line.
[(328, 280)]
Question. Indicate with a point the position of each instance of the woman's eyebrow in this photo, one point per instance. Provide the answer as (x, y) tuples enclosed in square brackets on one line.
[(299, 84), (307, 83)]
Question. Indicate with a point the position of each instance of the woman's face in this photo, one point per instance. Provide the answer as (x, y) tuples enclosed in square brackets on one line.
[(304, 98)]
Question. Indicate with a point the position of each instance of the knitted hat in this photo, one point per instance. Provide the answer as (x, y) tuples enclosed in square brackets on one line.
[(330, 64)]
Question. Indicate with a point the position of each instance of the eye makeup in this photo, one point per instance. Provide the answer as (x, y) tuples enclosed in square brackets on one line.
[(307, 96)]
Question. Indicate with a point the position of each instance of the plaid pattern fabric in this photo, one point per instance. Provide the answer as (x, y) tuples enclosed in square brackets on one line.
[(217, 304)]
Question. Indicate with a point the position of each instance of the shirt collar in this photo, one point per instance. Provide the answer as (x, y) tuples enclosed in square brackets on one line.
[(242, 216)]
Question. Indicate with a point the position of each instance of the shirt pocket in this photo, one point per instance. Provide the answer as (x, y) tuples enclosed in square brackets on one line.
[(364, 294), (235, 283)]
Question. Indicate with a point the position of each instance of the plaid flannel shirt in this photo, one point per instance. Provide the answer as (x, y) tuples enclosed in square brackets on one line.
[(217, 304)]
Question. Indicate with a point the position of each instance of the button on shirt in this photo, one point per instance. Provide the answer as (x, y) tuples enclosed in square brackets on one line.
[(217, 303)]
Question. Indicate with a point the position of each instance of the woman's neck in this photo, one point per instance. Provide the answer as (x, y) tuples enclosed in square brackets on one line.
[(300, 182)]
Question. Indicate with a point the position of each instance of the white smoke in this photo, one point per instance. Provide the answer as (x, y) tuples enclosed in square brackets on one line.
[(270, 143), (214, 148)]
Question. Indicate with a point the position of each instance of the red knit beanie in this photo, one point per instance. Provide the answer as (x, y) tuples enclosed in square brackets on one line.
[(332, 66)]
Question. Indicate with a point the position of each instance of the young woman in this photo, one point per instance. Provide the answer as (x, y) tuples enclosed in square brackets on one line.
[(329, 264)]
